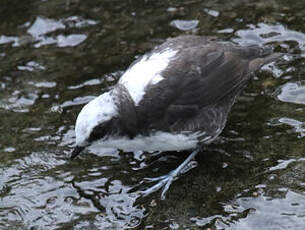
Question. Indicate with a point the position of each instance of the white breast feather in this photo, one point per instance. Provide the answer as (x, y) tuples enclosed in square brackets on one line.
[(144, 72), (159, 141)]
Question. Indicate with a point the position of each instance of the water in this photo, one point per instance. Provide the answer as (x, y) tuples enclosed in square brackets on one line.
[(55, 56)]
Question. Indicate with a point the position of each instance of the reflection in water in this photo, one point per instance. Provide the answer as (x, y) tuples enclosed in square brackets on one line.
[(31, 66), (299, 127), (58, 55), (270, 213), (283, 164), (293, 93), (43, 26), (266, 33), (9, 39), (213, 13), (184, 24)]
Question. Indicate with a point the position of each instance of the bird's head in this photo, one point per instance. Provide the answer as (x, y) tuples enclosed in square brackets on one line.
[(94, 121)]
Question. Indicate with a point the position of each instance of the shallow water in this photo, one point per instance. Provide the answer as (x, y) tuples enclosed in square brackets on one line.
[(55, 56)]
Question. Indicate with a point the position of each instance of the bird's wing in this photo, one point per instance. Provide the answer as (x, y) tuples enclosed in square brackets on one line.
[(198, 77)]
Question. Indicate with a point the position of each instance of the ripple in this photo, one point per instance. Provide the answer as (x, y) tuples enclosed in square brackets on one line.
[(77, 101), (9, 39), (292, 93), (9, 149), (184, 25), (18, 102), (43, 26), (41, 30), (62, 40), (31, 66), (68, 138), (70, 40), (87, 83), (213, 13), (258, 213), (114, 199), (111, 152), (283, 164), (266, 33), (201, 221), (226, 31), (272, 213), (45, 84), (298, 126), (78, 22), (34, 198)]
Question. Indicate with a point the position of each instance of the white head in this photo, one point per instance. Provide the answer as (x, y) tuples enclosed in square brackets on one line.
[(96, 112)]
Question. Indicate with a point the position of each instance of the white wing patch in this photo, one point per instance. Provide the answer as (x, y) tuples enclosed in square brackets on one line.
[(146, 71)]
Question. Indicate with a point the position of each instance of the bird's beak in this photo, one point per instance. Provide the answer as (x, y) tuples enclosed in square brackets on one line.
[(76, 151)]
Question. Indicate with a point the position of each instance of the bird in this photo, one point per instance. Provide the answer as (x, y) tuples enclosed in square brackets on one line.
[(176, 97)]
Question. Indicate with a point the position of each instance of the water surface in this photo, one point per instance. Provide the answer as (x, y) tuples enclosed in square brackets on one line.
[(55, 56)]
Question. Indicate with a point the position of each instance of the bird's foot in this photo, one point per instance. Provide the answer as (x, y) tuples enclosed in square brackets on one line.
[(166, 180)]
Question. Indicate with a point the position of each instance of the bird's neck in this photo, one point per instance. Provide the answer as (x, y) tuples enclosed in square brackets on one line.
[(127, 120)]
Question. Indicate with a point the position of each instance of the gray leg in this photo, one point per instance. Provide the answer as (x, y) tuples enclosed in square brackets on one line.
[(166, 180)]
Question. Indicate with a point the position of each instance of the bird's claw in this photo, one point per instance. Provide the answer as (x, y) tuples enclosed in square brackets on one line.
[(164, 181)]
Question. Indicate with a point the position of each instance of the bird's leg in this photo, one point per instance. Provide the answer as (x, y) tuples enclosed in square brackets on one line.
[(166, 180)]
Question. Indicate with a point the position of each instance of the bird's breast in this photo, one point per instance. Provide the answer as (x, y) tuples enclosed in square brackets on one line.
[(158, 141)]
